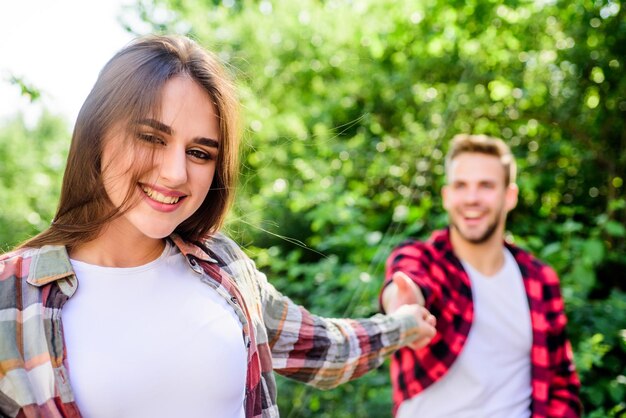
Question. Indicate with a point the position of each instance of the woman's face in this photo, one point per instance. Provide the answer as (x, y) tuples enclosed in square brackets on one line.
[(183, 144)]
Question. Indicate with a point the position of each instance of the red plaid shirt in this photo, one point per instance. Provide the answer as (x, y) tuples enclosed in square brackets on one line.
[(447, 291)]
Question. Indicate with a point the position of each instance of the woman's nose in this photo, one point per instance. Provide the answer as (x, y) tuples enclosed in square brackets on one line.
[(173, 167)]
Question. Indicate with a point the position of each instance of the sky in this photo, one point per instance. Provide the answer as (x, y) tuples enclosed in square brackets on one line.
[(58, 46)]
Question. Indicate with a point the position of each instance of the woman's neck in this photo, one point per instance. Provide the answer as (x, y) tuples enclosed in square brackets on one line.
[(119, 247)]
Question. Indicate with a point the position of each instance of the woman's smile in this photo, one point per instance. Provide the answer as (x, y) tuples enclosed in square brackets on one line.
[(168, 197), (162, 201), (181, 144)]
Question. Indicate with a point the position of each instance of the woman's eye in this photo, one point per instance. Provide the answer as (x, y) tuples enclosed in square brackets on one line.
[(199, 154), (153, 139)]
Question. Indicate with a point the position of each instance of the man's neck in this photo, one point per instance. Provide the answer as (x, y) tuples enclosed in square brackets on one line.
[(486, 257)]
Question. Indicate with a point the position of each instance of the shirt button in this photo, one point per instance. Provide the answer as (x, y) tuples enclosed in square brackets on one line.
[(194, 265)]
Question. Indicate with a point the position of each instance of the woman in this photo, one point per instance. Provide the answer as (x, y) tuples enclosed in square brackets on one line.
[(133, 303)]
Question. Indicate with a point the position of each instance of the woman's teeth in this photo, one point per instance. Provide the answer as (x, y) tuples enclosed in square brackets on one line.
[(160, 197)]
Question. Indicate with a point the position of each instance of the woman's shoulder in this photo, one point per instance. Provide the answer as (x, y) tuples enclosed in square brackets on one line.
[(16, 255), (224, 247), (40, 264), (14, 268), (231, 257), (220, 239)]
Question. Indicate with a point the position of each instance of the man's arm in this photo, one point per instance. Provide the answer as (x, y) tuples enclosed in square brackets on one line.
[(564, 386)]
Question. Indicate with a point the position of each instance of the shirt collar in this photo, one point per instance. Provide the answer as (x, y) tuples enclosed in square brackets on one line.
[(189, 249), (47, 264), (441, 240), (51, 262)]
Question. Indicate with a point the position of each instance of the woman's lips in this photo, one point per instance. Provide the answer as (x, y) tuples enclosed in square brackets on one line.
[(162, 200)]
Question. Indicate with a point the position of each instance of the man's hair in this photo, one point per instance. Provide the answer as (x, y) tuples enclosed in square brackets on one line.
[(483, 144), (127, 91)]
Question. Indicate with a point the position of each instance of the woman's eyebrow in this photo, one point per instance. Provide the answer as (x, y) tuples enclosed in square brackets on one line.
[(160, 126), (156, 125), (208, 142)]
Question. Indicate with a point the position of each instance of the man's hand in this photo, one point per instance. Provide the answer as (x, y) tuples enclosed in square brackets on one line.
[(404, 296), (401, 291)]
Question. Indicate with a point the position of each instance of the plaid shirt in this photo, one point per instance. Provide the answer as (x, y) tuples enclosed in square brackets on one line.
[(279, 335), (448, 294)]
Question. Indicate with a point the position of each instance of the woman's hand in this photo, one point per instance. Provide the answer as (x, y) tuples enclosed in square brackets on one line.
[(426, 324)]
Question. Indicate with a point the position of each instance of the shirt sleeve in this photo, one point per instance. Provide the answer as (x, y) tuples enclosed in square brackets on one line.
[(564, 387), (326, 352)]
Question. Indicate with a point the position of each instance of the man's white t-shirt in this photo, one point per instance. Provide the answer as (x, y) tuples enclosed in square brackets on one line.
[(153, 341), (491, 376)]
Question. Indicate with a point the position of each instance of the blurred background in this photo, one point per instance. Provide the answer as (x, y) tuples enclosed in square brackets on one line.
[(348, 106)]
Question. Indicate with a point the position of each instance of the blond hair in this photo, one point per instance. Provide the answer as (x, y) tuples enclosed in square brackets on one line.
[(483, 144)]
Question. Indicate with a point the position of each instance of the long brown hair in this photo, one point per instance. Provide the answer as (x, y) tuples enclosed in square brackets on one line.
[(127, 90)]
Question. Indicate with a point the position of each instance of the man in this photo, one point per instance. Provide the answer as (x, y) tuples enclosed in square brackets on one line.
[(501, 349)]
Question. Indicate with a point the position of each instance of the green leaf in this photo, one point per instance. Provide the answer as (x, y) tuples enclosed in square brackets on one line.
[(615, 229)]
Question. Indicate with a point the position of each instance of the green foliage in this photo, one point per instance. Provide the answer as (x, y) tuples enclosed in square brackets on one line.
[(31, 165), (26, 89), (348, 108)]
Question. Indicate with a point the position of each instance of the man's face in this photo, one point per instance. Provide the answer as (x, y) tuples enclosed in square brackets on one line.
[(476, 197)]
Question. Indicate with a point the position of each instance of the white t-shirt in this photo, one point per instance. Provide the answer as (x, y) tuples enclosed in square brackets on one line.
[(491, 377), (153, 341)]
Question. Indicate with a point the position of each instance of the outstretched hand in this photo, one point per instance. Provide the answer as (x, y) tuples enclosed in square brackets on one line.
[(426, 324), (403, 295), (401, 291)]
